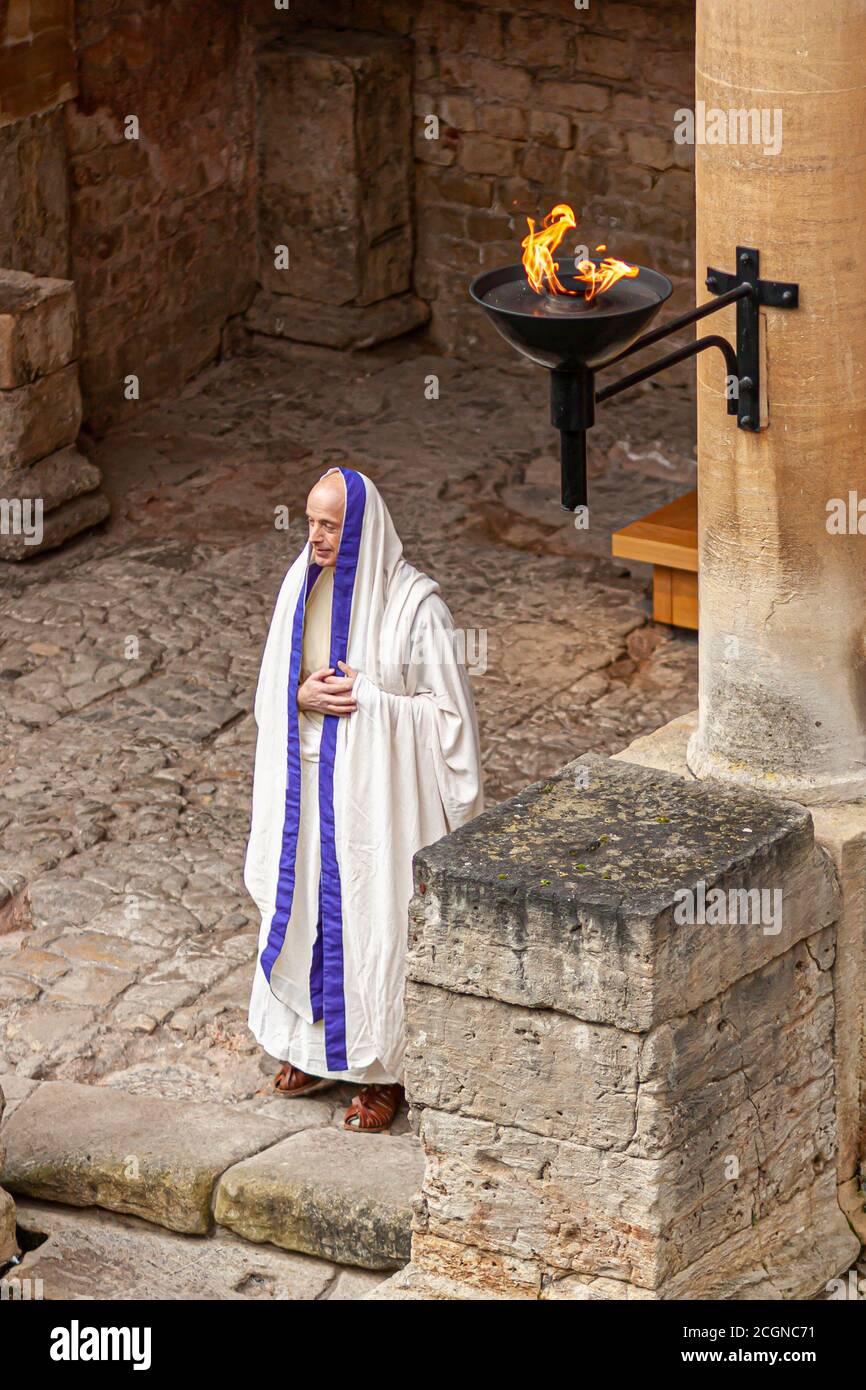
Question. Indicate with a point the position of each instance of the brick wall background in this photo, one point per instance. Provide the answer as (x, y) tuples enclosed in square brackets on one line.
[(162, 227), (538, 103)]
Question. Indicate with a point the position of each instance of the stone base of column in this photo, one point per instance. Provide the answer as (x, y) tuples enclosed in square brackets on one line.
[(618, 1096), (67, 488), (809, 791), (338, 326), (840, 829)]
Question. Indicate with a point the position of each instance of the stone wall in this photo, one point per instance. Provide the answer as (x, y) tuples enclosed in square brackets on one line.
[(41, 471), (537, 102), (37, 75), (162, 225)]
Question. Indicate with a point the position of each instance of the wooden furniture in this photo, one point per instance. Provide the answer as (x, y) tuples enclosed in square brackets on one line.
[(667, 539)]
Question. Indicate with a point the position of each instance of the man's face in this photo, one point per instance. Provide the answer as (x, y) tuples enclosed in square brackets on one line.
[(325, 507)]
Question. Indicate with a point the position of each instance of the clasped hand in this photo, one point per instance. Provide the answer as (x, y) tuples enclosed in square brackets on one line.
[(323, 692)]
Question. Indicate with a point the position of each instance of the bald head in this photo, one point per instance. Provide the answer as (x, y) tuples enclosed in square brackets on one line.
[(326, 505)]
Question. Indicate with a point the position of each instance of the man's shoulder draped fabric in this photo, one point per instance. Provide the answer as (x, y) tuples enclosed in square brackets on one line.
[(397, 774)]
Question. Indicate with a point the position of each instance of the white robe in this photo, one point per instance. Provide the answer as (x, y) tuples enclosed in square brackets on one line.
[(329, 860)]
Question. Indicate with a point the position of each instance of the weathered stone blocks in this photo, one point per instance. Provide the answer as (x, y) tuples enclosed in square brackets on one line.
[(158, 1159), (37, 57), (49, 491), (323, 1193), (572, 897), (102, 1256), (34, 195), (185, 1166), (841, 831), (335, 143), (335, 325), (39, 417), (38, 327), (616, 1101)]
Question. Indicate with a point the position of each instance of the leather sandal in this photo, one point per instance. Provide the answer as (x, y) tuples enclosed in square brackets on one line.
[(291, 1082), (373, 1109)]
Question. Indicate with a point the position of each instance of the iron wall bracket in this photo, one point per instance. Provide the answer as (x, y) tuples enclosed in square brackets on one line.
[(573, 393), (774, 294)]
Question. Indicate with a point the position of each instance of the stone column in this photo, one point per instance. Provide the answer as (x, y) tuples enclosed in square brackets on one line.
[(615, 1101), (782, 599)]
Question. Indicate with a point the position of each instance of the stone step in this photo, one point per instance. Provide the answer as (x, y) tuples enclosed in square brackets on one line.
[(93, 1254), (159, 1159), (342, 1197)]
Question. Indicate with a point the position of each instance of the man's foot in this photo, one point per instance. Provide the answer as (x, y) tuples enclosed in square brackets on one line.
[(373, 1109), (289, 1081)]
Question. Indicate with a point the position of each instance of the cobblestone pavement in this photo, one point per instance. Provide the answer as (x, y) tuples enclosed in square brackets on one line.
[(128, 664)]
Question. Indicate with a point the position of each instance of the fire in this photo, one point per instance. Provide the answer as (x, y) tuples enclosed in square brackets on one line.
[(599, 278), (541, 269), (539, 246)]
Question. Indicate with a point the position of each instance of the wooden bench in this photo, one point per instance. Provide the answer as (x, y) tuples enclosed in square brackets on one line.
[(667, 539)]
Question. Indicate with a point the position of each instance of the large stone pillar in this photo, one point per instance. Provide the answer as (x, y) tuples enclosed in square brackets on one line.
[(782, 600), (621, 1070)]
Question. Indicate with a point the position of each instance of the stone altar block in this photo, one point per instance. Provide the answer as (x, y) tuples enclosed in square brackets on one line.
[(335, 189), (616, 1101)]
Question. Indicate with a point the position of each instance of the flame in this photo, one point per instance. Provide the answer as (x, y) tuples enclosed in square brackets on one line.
[(599, 278), (539, 246), (541, 269)]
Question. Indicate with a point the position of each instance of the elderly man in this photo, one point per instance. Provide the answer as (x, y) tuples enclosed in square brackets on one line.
[(367, 750)]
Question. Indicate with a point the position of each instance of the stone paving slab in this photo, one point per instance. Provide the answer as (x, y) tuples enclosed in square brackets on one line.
[(15, 1089), (345, 1197), (413, 1286), (158, 1159), (105, 1256)]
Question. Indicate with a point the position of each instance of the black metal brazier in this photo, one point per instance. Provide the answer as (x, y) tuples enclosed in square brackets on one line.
[(575, 336)]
